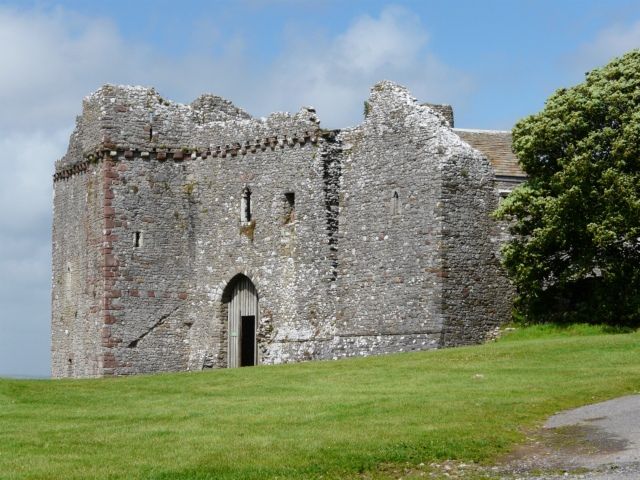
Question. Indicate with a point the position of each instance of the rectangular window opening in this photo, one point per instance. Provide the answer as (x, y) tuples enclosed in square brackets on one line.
[(245, 206), (137, 239), (395, 204), (289, 207)]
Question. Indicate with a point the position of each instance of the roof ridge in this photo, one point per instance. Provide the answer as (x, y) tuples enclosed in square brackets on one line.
[(478, 130)]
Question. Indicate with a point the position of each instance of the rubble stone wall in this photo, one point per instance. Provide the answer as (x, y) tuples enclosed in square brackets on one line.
[(283, 249), (78, 275), (372, 240), (151, 253), (389, 276), (474, 287)]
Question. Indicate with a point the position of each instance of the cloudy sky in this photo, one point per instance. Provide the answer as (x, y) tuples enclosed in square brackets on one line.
[(494, 61)]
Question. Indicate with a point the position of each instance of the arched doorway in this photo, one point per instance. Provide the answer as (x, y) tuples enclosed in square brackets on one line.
[(241, 299)]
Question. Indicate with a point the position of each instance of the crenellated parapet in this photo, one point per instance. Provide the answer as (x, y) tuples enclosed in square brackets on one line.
[(179, 154), (140, 119)]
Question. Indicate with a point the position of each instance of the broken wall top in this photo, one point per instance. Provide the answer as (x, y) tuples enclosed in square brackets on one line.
[(391, 107), (139, 118)]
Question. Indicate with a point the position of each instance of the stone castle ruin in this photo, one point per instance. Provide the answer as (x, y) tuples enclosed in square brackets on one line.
[(195, 236)]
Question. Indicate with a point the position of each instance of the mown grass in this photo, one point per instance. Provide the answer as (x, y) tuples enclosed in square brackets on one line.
[(312, 420)]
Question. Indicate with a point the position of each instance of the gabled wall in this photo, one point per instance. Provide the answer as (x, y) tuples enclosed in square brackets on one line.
[(389, 265), (417, 271)]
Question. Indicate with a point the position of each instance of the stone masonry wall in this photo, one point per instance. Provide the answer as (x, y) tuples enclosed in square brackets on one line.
[(151, 254), (285, 254), (173, 237), (78, 269), (389, 273), (138, 119), (474, 287), (372, 240)]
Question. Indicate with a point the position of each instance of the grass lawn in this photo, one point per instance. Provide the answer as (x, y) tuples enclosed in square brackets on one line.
[(311, 420)]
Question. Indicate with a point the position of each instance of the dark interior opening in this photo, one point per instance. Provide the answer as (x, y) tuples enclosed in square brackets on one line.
[(247, 341), (289, 207), (395, 204), (245, 210)]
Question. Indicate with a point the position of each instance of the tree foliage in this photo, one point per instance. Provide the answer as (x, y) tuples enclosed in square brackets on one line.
[(575, 253)]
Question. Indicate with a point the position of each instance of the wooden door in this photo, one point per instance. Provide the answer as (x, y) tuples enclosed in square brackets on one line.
[(243, 320)]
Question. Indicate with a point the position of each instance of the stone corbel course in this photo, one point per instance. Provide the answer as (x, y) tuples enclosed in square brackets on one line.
[(180, 154)]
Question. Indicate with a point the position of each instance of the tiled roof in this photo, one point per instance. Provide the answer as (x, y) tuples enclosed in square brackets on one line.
[(496, 145)]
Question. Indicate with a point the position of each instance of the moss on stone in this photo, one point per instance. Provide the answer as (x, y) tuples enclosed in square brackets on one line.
[(248, 229)]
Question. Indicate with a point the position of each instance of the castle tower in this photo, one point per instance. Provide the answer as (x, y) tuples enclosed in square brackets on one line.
[(195, 236), (182, 230)]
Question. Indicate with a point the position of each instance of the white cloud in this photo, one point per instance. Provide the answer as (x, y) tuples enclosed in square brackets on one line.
[(25, 257), (48, 61), (611, 42), (58, 57), (335, 74), (25, 193), (394, 40)]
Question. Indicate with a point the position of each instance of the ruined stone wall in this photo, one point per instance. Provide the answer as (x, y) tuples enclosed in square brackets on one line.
[(389, 270), (475, 290), (173, 237), (152, 247), (285, 254), (138, 119), (78, 269), (419, 270), (445, 111), (371, 240)]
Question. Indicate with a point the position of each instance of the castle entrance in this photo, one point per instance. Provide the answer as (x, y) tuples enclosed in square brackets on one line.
[(242, 314)]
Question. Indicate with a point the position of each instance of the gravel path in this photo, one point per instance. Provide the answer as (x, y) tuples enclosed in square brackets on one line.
[(598, 442)]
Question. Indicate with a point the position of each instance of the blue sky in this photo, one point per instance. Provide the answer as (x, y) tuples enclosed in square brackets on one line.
[(494, 61)]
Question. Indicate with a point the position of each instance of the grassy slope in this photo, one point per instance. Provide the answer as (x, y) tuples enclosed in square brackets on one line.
[(330, 419)]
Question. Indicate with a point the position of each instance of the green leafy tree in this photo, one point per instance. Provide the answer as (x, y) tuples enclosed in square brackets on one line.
[(575, 254)]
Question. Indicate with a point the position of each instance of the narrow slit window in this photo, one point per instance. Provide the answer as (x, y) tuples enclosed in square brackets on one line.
[(150, 125), (137, 239), (395, 204), (289, 207), (245, 205)]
